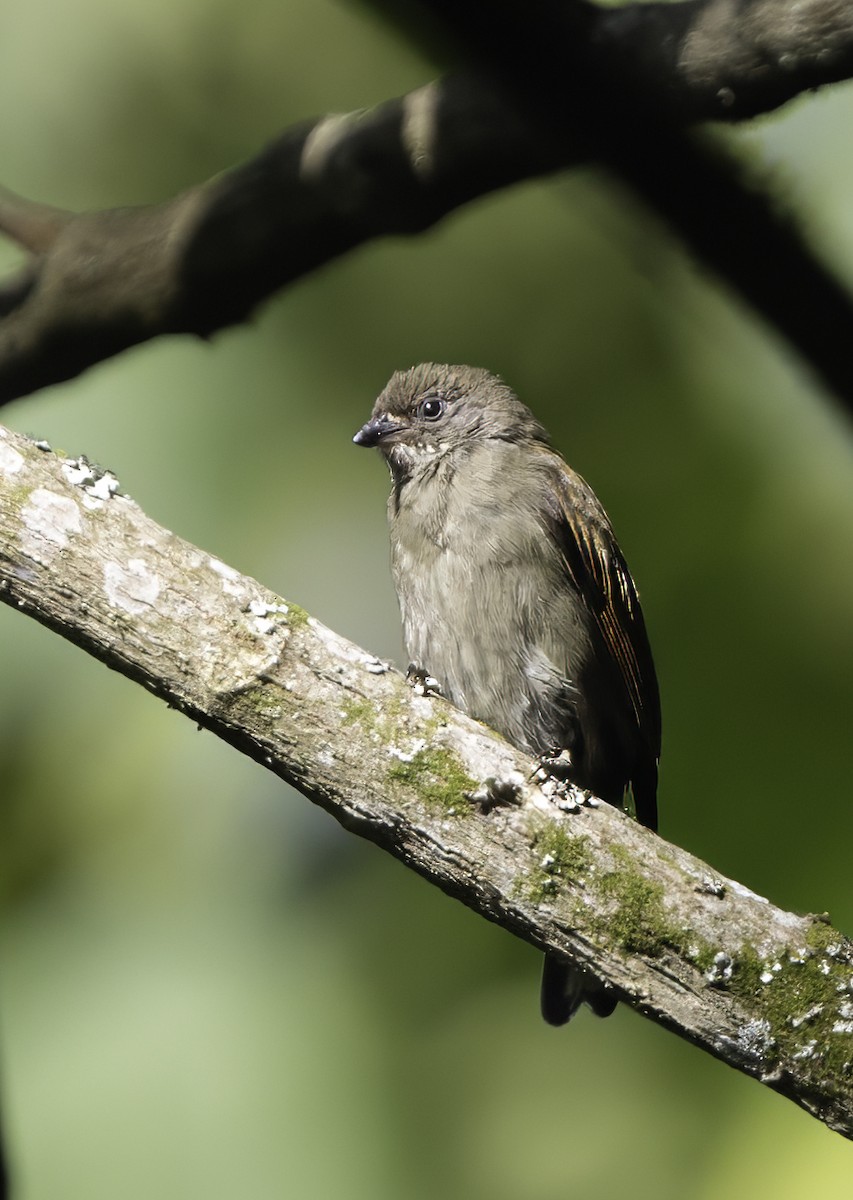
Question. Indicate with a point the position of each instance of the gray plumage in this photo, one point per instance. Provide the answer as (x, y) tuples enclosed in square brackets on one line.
[(515, 596)]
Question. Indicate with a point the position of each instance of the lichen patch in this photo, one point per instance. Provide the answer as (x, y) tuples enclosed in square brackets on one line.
[(11, 461), (232, 584), (47, 523), (133, 588)]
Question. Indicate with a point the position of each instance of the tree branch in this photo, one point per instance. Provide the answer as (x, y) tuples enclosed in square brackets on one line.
[(767, 991), (540, 54), (723, 59), (97, 283)]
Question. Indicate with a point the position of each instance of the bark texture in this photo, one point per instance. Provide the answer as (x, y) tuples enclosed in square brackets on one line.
[(768, 991)]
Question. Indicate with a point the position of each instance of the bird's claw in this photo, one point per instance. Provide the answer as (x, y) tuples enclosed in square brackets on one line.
[(421, 681), (554, 764), (554, 777)]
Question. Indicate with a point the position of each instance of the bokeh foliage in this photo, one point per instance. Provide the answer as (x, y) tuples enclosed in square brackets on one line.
[(207, 989)]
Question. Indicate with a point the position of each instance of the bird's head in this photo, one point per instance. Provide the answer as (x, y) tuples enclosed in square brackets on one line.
[(433, 411)]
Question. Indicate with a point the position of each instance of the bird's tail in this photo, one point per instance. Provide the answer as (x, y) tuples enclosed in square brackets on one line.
[(565, 988)]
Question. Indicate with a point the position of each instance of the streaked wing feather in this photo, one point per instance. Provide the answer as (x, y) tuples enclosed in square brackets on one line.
[(600, 573)]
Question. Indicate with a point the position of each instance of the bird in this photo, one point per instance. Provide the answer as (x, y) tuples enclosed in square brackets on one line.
[(516, 599)]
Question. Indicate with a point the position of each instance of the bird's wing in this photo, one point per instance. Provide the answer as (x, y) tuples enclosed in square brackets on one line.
[(599, 572)]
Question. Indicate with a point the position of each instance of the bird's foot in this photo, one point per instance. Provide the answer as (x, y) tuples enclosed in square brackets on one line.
[(555, 764), (421, 681), (555, 777)]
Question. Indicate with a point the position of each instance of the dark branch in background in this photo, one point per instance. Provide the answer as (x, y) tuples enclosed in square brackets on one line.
[(729, 59), (767, 991), (603, 84), (554, 58)]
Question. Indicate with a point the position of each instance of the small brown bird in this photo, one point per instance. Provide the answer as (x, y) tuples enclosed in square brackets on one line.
[(515, 596)]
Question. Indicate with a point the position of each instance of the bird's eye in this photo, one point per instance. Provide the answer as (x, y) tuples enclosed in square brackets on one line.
[(432, 409)]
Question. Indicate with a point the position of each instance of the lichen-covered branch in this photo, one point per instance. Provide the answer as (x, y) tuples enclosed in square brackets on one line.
[(97, 283), (767, 991)]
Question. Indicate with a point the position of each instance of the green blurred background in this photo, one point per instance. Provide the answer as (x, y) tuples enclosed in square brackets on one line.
[(207, 990)]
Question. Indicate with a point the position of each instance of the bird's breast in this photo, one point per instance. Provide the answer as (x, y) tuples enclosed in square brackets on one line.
[(485, 609)]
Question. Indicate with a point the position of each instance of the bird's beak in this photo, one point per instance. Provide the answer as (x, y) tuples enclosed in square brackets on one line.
[(376, 429)]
